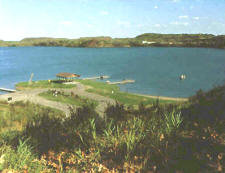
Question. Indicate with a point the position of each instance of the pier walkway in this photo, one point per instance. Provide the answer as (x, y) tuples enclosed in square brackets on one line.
[(96, 77), (7, 90), (120, 82)]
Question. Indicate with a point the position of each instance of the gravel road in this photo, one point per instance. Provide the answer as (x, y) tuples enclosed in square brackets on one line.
[(32, 95)]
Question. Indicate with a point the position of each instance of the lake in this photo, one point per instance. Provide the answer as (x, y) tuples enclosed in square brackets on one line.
[(156, 70)]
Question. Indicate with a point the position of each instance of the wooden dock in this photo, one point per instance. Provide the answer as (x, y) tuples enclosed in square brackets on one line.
[(96, 77), (7, 90), (120, 82)]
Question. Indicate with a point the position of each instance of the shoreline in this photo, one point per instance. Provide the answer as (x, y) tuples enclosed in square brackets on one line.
[(162, 97), (163, 46), (142, 40), (143, 95), (180, 99)]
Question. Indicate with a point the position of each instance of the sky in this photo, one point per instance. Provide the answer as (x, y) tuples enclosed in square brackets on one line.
[(116, 18)]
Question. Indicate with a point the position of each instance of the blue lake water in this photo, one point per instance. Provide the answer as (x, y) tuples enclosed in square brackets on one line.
[(156, 70)]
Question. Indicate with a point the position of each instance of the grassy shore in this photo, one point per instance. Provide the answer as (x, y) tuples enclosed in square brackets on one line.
[(104, 89), (42, 84), (113, 91)]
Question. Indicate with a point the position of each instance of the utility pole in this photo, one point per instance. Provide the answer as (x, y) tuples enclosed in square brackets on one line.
[(31, 77)]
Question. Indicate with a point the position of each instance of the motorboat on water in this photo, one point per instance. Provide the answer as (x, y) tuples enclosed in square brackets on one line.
[(182, 77)]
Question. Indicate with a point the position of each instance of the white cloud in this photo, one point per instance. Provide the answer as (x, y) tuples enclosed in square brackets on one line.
[(104, 13), (157, 25), (66, 23), (140, 25), (218, 23), (123, 23), (155, 6), (9, 34), (179, 23), (196, 18), (183, 17), (175, 1), (174, 23), (89, 25)]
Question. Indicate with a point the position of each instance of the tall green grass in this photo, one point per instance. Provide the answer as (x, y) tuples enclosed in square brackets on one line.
[(22, 158)]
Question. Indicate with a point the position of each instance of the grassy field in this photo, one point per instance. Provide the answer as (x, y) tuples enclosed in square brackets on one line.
[(42, 84), (99, 88), (68, 98), (122, 97)]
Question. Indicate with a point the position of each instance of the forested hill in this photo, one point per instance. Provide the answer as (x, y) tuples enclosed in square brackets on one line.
[(184, 40), (144, 40)]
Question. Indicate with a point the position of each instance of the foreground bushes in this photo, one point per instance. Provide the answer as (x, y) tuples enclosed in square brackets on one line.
[(155, 139), (158, 138)]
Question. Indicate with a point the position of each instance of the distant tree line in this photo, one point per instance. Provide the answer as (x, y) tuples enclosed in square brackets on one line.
[(144, 40)]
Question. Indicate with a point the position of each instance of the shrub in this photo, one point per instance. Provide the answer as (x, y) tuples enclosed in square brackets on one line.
[(207, 109), (20, 159), (116, 112), (82, 126), (10, 137), (45, 132)]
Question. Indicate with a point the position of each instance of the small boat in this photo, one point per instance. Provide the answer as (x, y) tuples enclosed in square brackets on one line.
[(182, 77)]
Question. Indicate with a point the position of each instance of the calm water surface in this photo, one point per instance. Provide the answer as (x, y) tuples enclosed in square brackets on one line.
[(156, 70)]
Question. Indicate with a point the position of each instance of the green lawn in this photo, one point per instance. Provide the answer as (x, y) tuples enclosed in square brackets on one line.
[(68, 99), (98, 87), (43, 84), (122, 97)]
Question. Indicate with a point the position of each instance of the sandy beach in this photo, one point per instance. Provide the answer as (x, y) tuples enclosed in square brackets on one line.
[(162, 97)]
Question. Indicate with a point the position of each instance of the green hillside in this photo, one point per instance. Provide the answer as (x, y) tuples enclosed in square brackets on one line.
[(144, 40)]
